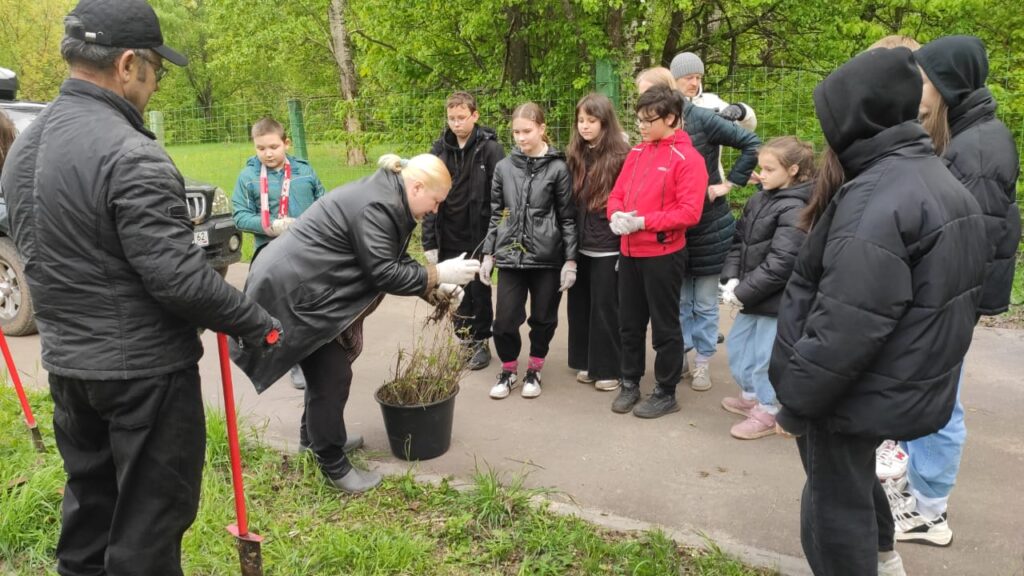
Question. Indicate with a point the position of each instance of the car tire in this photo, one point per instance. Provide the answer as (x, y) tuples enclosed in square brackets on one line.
[(16, 309)]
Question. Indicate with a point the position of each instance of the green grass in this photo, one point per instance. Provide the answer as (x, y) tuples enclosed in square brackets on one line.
[(493, 527)]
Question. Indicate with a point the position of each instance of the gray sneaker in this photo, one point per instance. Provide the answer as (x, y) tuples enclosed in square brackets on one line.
[(656, 405), (628, 396), (297, 377), (356, 481), (701, 377)]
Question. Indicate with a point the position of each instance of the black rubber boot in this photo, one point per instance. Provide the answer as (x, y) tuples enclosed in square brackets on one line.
[(656, 405), (629, 394)]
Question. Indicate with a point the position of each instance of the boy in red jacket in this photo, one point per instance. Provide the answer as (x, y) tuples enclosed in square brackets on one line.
[(657, 196)]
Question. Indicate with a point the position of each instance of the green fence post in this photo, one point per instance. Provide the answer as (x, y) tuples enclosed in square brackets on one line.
[(607, 80), (298, 128), (156, 125)]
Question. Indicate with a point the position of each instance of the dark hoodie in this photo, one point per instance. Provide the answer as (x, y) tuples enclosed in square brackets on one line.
[(461, 222), (764, 249), (879, 312), (981, 153)]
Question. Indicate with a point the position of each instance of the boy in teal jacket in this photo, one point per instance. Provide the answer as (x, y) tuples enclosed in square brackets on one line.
[(272, 191)]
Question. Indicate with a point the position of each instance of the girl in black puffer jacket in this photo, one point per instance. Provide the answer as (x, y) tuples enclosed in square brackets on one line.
[(768, 237), (532, 240)]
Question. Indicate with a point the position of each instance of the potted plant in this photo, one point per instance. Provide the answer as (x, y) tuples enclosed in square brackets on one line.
[(418, 400)]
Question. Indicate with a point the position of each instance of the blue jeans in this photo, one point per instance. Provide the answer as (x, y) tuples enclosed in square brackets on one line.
[(698, 314), (749, 345), (935, 458)]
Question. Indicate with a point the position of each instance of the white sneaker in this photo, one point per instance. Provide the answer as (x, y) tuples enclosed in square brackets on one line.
[(891, 567), (503, 387), (900, 501), (912, 527), (701, 377), (531, 384), (890, 460), (583, 377), (606, 385)]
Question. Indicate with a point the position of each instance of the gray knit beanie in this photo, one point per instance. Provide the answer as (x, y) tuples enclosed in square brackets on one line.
[(686, 63)]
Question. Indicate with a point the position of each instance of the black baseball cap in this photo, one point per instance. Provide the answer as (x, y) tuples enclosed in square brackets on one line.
[(121, 24)]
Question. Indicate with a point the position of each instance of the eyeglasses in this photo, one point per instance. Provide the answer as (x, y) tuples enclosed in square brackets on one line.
[(158, 66), (455, 121), (641, 123)]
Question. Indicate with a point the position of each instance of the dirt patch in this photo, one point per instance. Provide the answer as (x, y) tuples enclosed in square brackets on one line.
[(1012, 318)]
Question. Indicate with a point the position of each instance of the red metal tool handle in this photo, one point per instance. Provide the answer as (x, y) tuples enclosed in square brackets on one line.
[(29, 418), (236, 455)]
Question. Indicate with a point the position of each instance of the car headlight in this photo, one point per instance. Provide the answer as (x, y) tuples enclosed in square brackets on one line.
[(221, 203)]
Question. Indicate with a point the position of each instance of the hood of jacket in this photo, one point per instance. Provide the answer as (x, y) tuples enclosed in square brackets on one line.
[(520, 160), (801, 191), (480, 133), (852, 104), (977, 107), (955, 65)]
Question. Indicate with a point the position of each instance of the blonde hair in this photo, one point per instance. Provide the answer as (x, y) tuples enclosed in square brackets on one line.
[(895, 41), (657, 76), (426, 168)]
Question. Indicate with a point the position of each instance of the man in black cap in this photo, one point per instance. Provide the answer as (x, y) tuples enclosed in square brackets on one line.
[(97, 210)]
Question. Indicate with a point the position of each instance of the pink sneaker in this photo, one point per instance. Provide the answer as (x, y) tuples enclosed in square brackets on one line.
[(758, 425), (738, 405)]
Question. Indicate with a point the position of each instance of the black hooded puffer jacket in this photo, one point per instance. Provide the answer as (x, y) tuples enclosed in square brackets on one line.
[(981, 153), (880, 309)]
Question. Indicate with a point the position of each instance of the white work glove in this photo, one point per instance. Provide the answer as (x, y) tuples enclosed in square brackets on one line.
[(568, 275), (727, 292), (718, 190), (485, 270), (457, 270), (451, 292), (281, 225), (624, 223), (431, 255)]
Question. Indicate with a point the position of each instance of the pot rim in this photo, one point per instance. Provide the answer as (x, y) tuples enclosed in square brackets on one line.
[(376, 396)]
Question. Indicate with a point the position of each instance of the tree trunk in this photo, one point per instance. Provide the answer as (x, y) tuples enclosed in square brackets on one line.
[(675, 28), (341, 47), (517, 55)]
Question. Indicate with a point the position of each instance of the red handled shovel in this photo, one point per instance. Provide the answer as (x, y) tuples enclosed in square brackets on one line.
[(247, 542), (30, 420)]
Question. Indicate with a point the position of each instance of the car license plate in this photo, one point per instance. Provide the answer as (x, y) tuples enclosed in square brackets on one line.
[(202, 238)]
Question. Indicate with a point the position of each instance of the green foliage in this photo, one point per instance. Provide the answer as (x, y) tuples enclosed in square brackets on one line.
[(403, 527)]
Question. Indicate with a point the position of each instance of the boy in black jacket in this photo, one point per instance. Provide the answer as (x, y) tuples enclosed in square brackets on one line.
[(470, 152)]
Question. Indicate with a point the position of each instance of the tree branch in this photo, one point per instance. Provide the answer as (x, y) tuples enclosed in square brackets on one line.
[(447, 81)]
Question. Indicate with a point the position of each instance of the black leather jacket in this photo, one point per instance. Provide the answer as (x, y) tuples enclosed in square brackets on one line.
[(97, 210), (533, 215), (331, 267)]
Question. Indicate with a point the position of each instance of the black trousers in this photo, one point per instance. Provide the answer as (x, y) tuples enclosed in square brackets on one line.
[(845, 520), (594, 340), (133, 452), (476, 313), (541, 284), (322, 428), (649, 291)]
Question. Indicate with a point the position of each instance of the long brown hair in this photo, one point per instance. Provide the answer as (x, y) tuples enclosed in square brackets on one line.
[(936, 124), (829, 180), (594, 167), (789, 151), (7, 134), (532, 112)]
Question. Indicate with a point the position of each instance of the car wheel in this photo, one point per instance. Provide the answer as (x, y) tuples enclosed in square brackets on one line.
[(15, 302)]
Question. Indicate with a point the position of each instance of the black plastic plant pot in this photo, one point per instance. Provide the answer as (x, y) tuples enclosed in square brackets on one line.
[(419, 432)]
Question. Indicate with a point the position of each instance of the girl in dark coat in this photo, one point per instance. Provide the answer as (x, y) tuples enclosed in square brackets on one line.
[(532, 240), (958, 111), (597, 149), (768, 237), (879, 311)]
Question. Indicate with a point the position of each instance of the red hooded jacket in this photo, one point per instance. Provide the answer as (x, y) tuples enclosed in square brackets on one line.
[(665, 182)]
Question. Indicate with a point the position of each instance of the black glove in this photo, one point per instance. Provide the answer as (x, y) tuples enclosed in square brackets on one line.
[(733, 112)]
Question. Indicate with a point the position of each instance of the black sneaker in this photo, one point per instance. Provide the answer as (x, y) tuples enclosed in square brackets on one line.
[(656, 405), (629, 395), (481, 357), (503, 387)]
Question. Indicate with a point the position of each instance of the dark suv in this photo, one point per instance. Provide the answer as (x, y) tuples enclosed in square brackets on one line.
[(208, 206)]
